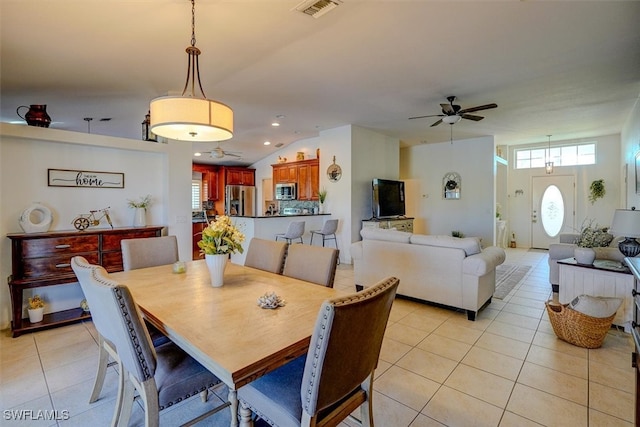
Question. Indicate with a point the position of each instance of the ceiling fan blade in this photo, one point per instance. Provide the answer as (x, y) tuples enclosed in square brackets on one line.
[(422, 117), (436, 123), (478, 108), (447, 109), (226, 153), (472, 117)]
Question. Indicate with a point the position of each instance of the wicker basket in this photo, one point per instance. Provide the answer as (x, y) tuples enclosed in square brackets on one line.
[(578, 328)]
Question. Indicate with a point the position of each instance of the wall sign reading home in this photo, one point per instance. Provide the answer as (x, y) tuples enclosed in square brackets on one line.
[(85, 179)]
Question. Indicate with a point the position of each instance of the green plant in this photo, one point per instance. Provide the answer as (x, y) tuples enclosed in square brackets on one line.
[(457, 233), (596, 190), (593, 236), (221, 237), (36, 302), (143, 202), (322, 195)]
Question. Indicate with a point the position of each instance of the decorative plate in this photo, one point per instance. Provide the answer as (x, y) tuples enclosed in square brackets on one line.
[(334, 172)]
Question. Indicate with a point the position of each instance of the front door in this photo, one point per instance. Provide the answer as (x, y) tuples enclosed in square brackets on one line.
[(552, 208)]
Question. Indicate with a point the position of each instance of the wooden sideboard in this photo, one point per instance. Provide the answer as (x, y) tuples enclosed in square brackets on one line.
[(44, 259)]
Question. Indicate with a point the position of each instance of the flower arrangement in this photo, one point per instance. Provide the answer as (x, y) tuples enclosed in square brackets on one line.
[(221, 237), (143, 202), (593, 236), (36, 302), (322, 195)]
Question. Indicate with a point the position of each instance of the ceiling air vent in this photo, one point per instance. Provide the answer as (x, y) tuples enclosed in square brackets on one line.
[(317, 8)]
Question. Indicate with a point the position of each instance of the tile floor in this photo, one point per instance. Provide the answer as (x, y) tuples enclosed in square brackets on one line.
[(436, 369)]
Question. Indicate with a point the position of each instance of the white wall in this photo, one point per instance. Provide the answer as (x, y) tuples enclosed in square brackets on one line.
[(424, 166), (374, 156), (161, 170), (607, 168), (629, 148)]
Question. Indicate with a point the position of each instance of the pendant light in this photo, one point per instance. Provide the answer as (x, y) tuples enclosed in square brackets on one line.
[(548, 166), (187, 117)]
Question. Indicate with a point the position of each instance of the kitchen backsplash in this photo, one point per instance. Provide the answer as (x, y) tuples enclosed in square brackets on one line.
[(298, 204)]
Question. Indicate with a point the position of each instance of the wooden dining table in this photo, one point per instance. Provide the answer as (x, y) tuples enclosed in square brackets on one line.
[(224, 328)]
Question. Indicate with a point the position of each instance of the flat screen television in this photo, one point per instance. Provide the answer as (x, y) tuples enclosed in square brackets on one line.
[(388, 198)]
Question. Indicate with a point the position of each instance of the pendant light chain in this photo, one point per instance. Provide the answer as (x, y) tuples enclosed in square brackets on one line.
[(193, 68)]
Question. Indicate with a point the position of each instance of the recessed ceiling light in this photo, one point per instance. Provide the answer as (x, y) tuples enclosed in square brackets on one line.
[(267, 143), (197, 154), (275, 124)]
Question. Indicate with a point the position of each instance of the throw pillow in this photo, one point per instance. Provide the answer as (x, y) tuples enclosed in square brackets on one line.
[(595, 306)]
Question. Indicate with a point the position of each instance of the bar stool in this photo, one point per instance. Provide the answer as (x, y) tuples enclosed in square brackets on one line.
[(328, 229), (295, 230)]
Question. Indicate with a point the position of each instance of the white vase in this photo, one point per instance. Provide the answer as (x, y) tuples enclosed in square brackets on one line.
[(140, 217), (216, 265), (584, 255), (36, 314), (321, 208)]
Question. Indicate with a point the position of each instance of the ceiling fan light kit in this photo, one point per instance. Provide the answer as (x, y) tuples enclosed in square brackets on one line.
[(452, 114), (188, 118)]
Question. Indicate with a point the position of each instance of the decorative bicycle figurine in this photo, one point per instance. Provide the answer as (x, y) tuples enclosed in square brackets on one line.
[(84, 221)]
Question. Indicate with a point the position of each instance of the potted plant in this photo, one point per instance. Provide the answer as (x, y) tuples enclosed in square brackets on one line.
[(140, 213), (219, 239), (36, 309), (591, 236), (322, 196), (596, 190)]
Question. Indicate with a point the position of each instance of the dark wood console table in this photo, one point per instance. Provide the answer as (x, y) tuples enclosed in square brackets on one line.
[(44, 259)]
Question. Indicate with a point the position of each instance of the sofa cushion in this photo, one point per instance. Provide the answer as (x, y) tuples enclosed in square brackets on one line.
[(385, 235), (470, 245)]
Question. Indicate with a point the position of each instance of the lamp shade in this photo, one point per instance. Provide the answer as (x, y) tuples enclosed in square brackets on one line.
[(626, 223), (191, 119), (451, 119)]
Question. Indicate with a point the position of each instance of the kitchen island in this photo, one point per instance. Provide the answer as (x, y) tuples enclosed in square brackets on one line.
[(266, 227)]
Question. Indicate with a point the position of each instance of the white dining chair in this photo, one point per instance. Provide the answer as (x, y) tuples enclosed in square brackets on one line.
[(162, 376), (313, 264), (267, 255)]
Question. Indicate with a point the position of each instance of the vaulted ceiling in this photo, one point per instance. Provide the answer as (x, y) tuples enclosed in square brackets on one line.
[(567, 69)]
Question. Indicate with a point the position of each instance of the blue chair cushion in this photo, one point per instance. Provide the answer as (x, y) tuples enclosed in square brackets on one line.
[(285, 384), (178, 376)]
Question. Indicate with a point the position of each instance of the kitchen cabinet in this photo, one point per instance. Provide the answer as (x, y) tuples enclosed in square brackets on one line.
[(285, 173), (308, 180), (197, 236), (305, 173), (240, 176), (210, 176), (44, 259)]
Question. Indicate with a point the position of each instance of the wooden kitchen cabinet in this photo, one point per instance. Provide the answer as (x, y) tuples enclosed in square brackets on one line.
[(240, 176), (308, 181), (285, 173), (44, 259), (210, 177)]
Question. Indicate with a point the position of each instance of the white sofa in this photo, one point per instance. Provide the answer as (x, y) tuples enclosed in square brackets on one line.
[(441, 269)]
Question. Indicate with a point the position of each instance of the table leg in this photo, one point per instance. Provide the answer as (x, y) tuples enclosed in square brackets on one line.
[(233, 400)]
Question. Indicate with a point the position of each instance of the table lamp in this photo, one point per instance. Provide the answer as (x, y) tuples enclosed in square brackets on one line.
[(626, 222)]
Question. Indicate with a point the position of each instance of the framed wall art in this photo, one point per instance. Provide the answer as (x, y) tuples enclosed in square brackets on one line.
[(84, 179)]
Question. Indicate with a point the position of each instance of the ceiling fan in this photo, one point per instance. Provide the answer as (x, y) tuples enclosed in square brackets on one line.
[(452, 114), (219, 153)]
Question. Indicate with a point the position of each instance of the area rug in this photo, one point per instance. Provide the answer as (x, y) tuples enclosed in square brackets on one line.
[(507, 277)]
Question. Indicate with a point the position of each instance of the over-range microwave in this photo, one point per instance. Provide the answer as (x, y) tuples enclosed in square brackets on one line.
[(286, 191)]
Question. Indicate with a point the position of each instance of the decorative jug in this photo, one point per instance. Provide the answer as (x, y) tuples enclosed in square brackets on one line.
[(36, 116)]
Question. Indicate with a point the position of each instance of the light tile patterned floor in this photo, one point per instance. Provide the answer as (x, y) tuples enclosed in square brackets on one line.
[(436, 369)]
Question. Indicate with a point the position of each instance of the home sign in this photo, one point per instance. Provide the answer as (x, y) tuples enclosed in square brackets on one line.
[(85, 179)]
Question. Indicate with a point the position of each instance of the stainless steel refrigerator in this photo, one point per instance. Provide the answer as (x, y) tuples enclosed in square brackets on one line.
[(240, 200)]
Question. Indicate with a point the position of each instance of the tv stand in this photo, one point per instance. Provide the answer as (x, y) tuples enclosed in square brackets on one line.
[(399, 223)]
